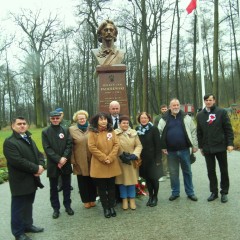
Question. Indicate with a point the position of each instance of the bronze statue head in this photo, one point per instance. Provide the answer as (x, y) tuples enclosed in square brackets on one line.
[(107, 30)]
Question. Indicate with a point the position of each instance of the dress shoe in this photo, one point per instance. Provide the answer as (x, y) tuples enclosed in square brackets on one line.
[(107, 213), (149, 201), (172, 198), (193, 198), (212, 197), (87, 205), (154, 201), (224, 198), (55, 214), (34, 229), (69, 211), (113, 212), (23, 237)]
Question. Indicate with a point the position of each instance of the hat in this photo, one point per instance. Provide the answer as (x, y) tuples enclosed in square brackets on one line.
[(60, 110), (55, 113)]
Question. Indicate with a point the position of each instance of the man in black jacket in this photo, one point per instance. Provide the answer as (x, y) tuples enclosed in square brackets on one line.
[(215, 136), (57, 145), (25, 165)]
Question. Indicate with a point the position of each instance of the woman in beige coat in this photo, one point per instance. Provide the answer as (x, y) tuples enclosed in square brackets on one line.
[(81, 158), (129, 143), (104, 145)]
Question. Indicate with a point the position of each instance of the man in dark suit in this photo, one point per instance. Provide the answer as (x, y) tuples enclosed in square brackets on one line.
[(25, 165), (57, 145)]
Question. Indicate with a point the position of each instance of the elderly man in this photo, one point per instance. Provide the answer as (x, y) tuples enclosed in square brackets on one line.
[(178, 135), (108, 54), (25, 165), (215, 137), (57, 145)]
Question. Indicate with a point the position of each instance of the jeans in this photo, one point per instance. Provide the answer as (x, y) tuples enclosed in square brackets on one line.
[(127, 191), (175, 159)]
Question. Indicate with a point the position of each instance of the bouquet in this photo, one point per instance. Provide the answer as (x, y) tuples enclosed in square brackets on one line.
[(141, 188)]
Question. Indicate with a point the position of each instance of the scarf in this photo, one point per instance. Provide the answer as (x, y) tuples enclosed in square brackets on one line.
[(83, 127), (143, 129)]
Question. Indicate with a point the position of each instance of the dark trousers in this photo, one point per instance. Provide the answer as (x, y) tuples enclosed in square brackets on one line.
[(87, 189), (21, 213), (54, 198), (211, 168), (152, 186), (106, 191)]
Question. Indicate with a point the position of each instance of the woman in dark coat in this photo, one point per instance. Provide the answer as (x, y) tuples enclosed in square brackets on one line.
[(151, 168)]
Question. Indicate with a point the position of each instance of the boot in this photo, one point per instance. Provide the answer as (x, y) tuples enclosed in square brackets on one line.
[(149, 201), (132, 203), (107, 212), (154, 201), (124, 204)]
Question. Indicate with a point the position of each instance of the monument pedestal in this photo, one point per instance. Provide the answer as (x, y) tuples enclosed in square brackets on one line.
[(112, 86)]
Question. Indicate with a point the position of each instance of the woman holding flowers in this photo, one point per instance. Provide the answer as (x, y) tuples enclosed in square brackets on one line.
[(81, 158), (151, 168), (104, 145), (129, 143)]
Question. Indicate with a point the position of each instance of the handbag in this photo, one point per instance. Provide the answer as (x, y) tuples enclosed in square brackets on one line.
[(192, 158)]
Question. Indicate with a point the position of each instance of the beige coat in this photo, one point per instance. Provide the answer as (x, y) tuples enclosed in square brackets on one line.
[(102, 145), (129, 142), (81, 155)]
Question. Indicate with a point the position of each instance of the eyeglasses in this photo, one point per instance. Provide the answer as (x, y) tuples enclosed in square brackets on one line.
[(55, 118)]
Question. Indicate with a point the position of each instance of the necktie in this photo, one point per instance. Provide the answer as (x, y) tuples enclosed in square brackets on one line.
[(116, 123), (25, 137)]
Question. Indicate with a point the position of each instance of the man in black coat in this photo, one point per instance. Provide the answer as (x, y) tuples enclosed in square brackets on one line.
[(57, 145), (25, 165), (215, 136)]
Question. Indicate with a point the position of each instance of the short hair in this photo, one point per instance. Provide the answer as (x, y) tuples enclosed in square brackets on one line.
[(113, 103), (16, 118), (124, 118), (94, 120), (206, 96), (83, 112), (102, 25), (163, 106), (141, 113)]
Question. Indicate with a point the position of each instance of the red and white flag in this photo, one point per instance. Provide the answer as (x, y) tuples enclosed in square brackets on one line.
[(192, 5)]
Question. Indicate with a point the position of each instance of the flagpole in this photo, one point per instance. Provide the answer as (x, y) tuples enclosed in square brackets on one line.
[(199, 20)]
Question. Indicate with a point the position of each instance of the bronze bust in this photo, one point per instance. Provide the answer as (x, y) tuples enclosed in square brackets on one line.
[(108, 53)]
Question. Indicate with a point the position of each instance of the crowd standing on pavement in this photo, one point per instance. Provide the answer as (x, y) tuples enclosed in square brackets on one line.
[(108, 156)]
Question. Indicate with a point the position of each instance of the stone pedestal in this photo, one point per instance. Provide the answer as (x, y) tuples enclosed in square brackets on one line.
[(112, 86)]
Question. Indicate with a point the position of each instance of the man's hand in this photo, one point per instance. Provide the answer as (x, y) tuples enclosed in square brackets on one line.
[(62, 161), (165, 151), (194, 150), (40, 171), (229, 148)]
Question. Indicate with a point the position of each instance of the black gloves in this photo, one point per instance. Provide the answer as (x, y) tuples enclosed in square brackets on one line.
[(127, 157)]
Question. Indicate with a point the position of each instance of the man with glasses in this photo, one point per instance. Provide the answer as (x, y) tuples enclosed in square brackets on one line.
[(25, 165), (57, 145)]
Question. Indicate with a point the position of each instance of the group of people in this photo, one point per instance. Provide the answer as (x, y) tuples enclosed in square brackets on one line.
[(107, 155)]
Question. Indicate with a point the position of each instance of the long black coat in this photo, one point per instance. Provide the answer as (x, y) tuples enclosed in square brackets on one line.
[(214, 137), (151, 154), (57, 143), (23, 161)]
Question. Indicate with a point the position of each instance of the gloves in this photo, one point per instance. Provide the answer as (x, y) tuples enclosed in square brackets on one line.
[(125, 157)]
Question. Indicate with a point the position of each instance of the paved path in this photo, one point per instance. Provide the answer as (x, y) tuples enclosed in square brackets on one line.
[(181, 219)]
